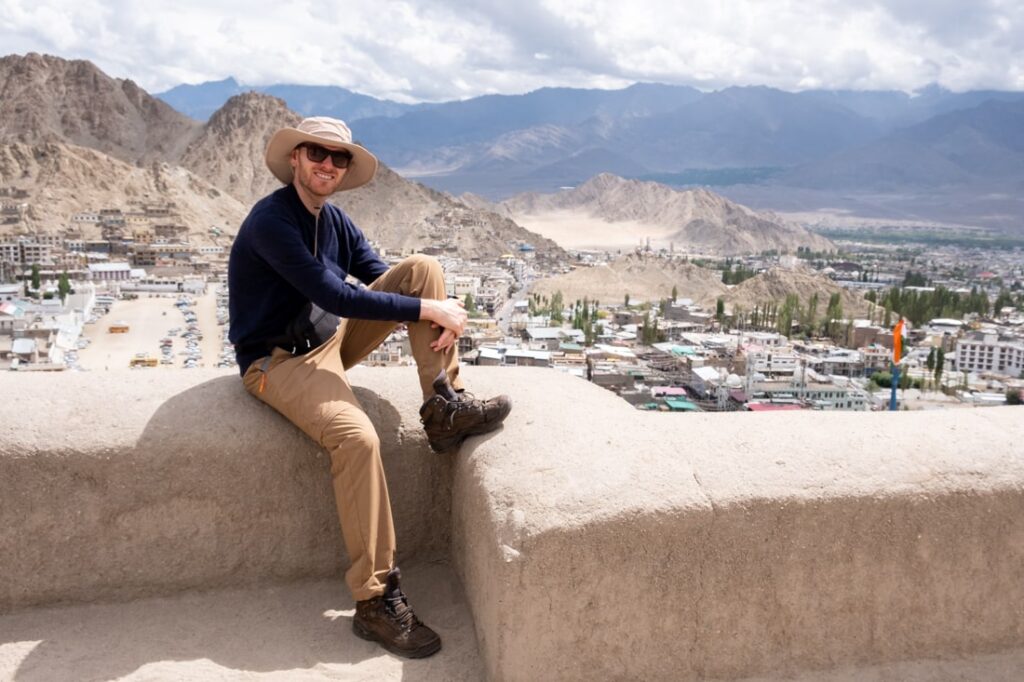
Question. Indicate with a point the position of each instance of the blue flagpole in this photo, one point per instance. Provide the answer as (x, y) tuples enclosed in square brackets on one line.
[(895, 383)]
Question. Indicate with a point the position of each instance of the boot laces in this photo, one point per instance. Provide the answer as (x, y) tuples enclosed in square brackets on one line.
[(398, 607), (466, 403)]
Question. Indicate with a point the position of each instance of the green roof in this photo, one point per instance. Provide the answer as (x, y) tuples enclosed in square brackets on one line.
[(681, 405)]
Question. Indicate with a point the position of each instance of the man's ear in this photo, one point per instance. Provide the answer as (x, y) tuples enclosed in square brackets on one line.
[(294, 159)]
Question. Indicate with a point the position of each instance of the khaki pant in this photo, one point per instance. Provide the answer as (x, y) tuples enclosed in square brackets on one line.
[(313, 392)]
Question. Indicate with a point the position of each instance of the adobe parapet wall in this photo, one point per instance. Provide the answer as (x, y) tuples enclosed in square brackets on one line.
[(594, 541), (116, 485)]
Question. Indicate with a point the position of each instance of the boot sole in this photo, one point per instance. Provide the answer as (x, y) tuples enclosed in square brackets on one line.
[(426, 650)]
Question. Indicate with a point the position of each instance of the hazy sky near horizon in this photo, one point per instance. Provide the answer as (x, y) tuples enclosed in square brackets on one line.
[(417, 50)]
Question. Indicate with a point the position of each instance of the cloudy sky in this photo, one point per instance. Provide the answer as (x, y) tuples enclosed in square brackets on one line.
[(420, 50)]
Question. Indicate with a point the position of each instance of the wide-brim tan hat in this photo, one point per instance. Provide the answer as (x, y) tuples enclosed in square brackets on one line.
[(326, 131)]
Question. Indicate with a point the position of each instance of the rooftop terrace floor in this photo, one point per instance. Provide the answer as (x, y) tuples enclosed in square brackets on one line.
[(293, 631)]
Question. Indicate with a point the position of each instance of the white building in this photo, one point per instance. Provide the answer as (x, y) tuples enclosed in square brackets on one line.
[(110, 271), (990, 352), (460, 285)]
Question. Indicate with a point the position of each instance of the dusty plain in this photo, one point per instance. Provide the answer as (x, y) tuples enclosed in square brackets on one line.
[(150, 317), (577, 230)]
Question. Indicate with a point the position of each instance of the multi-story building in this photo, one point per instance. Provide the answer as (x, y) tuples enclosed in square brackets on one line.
[(877, 358), (32, 252), (10, 252), (990, 352), (460, 285)]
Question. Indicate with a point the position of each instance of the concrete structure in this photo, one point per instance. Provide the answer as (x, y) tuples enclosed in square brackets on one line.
[(594, 541), (110, 271), (990, 352)]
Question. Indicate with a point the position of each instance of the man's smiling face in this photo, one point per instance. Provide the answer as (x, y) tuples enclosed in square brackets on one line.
[(316, 181)]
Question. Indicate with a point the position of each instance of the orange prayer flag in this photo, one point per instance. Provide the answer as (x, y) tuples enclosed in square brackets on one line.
[(897, 342)]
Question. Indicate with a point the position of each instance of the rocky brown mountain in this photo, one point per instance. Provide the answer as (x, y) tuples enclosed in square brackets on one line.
[(695, 220), (62, 180), (48, 99), (229, 151)]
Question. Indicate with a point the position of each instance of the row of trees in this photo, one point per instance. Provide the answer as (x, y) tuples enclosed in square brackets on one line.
[(554, 307), (736, 275), (35, 280), (584, 315), (791, 316), (921, 306)]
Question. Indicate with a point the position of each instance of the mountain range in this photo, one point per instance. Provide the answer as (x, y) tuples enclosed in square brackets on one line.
[(202, 100), (930, 154), (79, 140)]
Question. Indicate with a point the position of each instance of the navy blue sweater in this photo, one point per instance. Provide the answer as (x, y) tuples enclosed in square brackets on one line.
[(272, 272)]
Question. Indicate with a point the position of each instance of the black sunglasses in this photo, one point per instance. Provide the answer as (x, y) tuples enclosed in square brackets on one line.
[(316, 154)]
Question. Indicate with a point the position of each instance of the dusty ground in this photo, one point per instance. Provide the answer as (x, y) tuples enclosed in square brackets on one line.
[(150, 317), (298, 631), (575, 230)]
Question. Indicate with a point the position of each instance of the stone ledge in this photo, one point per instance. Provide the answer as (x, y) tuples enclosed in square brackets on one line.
[(135, 483), (596, 541), (593, 540)]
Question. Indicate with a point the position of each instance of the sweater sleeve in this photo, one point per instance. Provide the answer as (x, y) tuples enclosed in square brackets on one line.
[(280, 245)]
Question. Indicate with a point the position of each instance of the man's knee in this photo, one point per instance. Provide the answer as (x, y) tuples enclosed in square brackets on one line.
[(350, 437), (429, 265)]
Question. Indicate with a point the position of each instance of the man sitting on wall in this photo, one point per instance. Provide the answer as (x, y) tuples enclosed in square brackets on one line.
[(287, 277)]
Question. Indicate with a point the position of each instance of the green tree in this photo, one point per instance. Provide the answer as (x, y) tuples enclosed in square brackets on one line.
[(35, 277), (720, 310), (470, 304), (810, 317), (914, 279), (1014, 397), (784, 318), (833, 314), (1004, 299), (556, 308), (63, 286), (625, 301), (675, 293), (940, 362)]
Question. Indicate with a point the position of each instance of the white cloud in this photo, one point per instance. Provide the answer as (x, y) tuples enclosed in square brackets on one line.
[(422, 49)]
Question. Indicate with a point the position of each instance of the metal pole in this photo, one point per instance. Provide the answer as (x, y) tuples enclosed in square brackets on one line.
[(895, 383)]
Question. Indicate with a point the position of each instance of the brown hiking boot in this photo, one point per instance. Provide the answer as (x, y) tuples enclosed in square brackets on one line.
[(389, 621), (450, 416)]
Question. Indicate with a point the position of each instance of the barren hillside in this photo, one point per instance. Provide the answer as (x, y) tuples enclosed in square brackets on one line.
[(643, 278), (64, 179), (774, 285), (694, 220), (229, 153), (48, 99)]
